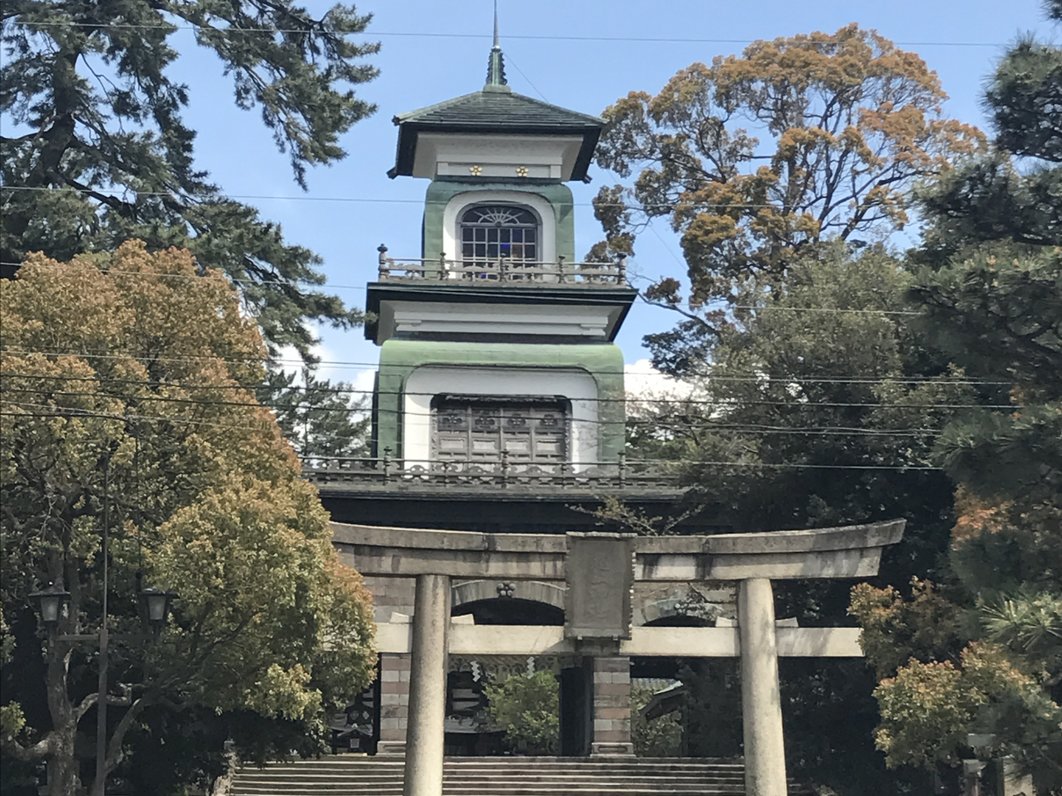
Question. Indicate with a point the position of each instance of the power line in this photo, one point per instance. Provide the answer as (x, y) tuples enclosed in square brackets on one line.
[(689, 462), (757, 378), (589, 298), (699, 425), (358, 199), (314, 28)]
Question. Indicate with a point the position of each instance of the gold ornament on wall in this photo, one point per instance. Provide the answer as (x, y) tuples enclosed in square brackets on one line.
[(521, 171), (475, 171)]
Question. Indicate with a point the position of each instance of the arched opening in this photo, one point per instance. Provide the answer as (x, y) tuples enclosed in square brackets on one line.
[(523, 685), (511, 611)]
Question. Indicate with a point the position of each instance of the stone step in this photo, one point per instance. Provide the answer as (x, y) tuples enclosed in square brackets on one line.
[(461, 789), (351, 771), (360, 775), (490, 772), (477, 791), (571, 776), (641, 782)]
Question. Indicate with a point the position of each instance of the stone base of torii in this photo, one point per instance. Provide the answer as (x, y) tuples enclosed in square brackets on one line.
[(599, 570)]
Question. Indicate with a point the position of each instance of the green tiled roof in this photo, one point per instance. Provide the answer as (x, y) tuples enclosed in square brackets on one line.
[(499, 109), (495, 109)]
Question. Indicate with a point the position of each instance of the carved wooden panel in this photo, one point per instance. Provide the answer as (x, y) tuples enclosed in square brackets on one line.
[(478, 431)]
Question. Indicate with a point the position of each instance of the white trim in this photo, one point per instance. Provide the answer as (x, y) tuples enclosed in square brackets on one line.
[(425, 382), (460, 202)]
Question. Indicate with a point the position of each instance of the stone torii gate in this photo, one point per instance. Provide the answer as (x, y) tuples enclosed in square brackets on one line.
[(599, 571)]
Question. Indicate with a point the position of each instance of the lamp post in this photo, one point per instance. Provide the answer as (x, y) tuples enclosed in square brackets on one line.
[(155, 608), (99, 787)]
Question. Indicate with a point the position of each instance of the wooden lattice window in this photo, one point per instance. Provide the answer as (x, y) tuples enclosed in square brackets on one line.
[(478, 430)]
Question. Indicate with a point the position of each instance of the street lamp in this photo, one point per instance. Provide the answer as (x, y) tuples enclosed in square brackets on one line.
[(155, 610), (155, 607), (50, 603)]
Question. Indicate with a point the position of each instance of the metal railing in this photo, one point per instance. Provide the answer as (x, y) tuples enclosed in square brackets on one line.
[(502, 270), (502, 472)]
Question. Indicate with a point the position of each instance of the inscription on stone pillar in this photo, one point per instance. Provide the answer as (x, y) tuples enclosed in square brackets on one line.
[(600, 573)]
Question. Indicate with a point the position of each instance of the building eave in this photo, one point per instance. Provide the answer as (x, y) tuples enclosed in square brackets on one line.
[(378, 292)]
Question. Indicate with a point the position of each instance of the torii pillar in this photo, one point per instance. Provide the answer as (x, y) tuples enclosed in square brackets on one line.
[(761, 703), (597, 568)]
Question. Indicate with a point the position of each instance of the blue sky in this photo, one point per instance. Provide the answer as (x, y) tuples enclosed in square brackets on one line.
[(581, 54)]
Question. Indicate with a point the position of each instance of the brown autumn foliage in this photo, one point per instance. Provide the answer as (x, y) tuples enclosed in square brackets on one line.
[(757, 156)]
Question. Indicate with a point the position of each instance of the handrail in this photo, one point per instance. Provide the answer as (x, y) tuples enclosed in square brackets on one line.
[(503, 472), (503, 269)]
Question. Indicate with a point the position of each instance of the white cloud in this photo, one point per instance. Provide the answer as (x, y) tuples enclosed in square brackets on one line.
[(643, 381), (364, 381)]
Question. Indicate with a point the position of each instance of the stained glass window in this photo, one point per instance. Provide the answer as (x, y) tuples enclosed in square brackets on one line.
[(490, 233)]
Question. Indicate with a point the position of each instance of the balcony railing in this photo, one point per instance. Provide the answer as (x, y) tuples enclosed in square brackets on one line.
[(503, 270), (501, 473)]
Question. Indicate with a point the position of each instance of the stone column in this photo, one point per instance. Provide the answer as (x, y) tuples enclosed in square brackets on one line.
[(612, 706), (427, 687), (394, 703), (761, 704)]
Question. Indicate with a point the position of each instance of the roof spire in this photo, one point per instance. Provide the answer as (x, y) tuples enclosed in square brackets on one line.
[(496, 62)]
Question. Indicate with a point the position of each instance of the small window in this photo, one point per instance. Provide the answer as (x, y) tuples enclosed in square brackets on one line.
[(493, 233)]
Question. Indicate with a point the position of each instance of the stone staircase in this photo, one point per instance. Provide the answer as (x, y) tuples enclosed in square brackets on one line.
[(358, 775)]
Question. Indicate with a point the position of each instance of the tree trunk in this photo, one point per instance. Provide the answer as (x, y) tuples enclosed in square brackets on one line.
[(63, 775)]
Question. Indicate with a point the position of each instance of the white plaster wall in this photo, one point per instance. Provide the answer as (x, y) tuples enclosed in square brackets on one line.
[(459, 202), (426, 382)]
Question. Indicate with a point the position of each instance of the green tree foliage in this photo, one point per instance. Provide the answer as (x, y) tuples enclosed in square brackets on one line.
[(95, 150), (320, 418), (805, 389), (128, 386), (991, 290), (527, 707), (821, 406)]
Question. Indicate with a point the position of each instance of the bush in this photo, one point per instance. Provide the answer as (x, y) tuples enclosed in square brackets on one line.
[(527, 708)]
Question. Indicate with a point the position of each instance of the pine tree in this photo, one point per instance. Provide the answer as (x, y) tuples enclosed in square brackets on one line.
[(95, 151), (991, 291), (320, 418)]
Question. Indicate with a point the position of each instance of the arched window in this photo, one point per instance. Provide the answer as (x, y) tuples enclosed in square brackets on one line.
[(490, 233)]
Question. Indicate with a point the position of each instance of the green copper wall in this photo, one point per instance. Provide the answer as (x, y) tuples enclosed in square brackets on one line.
[(602, 361), (440, 192)]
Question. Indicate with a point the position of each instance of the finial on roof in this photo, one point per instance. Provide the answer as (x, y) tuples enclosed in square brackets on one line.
[(496, 62)]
